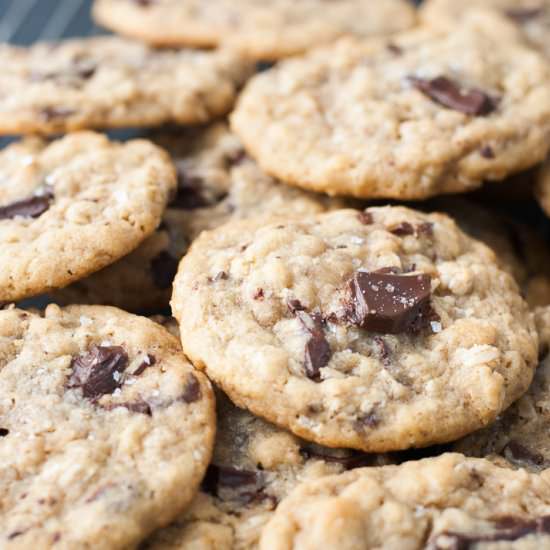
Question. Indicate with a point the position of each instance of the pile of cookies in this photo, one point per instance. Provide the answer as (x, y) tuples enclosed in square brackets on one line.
[(357, 358)]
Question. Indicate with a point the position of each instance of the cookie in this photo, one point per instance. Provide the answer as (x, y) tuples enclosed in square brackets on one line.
[(519, 248), (424, 113), (532, 16), (110, 82), (377, 330), (542, 187), (449, 502), (106, 429), (218, 182), (255, 466), (73, 206), (263, 29), (519, 436)]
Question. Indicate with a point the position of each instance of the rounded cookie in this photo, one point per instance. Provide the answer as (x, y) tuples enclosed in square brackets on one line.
[(378, 330), (423, 113), (255, 466), (105, 428), (448, 502), (520, 435), (110, 82), (532, 16), (73, 206), (217, 182), (263, 29), (519, 248)]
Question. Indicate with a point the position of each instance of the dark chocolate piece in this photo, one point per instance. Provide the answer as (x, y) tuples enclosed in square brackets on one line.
[(318, 352), (27, 208), (403, 229), (51, 113), (163, 270), (192, 391), (4, 432), (365, 218), (511, 529), (368, 420), (448, 93), (389, 303), (383, 350), (192, 193), (295, 305), (487, 152), (524, 15), (99, 372), (259, 294), (394, 48), (520, 452), (147, 362), (245, 486)]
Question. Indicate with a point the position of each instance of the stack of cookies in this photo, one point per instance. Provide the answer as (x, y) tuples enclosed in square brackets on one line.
[(269, 322)]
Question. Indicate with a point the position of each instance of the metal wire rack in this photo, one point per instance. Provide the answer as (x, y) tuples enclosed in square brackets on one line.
[(26, 21)]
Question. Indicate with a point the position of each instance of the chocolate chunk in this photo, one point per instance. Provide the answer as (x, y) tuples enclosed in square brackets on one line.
[(192, 391), (15, 534), (144, 3), (225, 482), (426, 229), (368, 420), (259, 294), (262, 66), (147, 362), (522, 453), (524, 15), (220, 276), (487, 152), (81, 69), (389, 303), (365, 218), (192, 193), (295, 305), (384, 351), (51, 113), (234, 159), (394, 48), (509, 530), (27, 208), (318, 352), (99, 372), (4, 432), (448, 93), (163, 270), (403, 229), (348, 459), (140, 407)]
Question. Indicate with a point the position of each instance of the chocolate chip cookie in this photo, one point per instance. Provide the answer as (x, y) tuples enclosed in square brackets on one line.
[(106, 430), (264, 29), (217, 182), (378, 330), (449, 502), (532, 16), (255, 466), (109, 82), (426, 112), (73, 206)]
